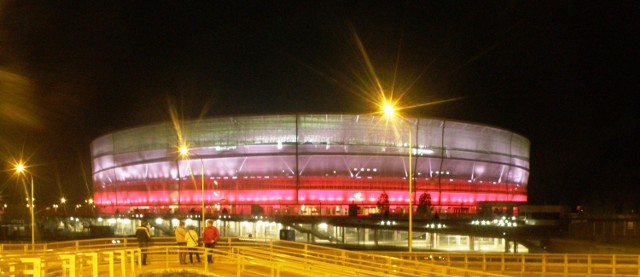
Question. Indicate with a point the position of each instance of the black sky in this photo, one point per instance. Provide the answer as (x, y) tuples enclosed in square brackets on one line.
[(563, 74)]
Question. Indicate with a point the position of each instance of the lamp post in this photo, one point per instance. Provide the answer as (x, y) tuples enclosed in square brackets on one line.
[(410, 193), (390, 112), (21, 169), (184, 153)]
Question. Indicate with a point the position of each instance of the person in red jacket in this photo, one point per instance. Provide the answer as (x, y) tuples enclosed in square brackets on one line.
[(210, 237)]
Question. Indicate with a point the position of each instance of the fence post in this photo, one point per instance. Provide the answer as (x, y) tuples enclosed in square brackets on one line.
[(466, 261), (166, 258), (205, 258), (484, 262), (110, 260), (94, 263), (123, 262), (132, 254), (69, 263), (36, 270), (12, 269), (238, 266)]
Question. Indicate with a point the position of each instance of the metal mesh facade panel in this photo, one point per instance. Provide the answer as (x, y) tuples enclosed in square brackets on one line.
[(294, 159)]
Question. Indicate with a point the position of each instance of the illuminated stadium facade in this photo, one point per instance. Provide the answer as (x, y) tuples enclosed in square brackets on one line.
[(307, 165)]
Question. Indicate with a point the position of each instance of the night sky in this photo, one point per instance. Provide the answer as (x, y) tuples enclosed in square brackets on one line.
[(563, 74)]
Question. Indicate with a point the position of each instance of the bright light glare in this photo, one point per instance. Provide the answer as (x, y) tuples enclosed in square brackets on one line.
[(389, 110), (184, 151), (20, 167)]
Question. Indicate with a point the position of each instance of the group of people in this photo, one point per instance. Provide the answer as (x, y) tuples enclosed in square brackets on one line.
[(189, 238), (186, 238)]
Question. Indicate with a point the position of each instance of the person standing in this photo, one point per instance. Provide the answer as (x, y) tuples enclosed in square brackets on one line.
[(210, 237), (192, 243), (182, 242), (144, 238)]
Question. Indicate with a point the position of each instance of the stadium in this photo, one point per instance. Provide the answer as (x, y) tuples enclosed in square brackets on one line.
[(320, 164)]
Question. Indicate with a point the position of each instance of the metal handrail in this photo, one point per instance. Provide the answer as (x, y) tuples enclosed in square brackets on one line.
[(68, 263), (121, 257), (546, 264)]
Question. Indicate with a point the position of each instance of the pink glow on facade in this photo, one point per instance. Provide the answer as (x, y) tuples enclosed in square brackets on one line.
[(193, 197)]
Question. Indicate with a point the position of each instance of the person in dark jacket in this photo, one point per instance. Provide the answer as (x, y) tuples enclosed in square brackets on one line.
[(144, 238)]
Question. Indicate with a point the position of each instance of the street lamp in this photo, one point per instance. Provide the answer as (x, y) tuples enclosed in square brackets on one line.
[(184, 153), (22, 170), (63, 202), (390, 111)]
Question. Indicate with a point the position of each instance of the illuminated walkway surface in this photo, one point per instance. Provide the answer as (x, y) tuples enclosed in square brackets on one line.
[(282, 258)]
